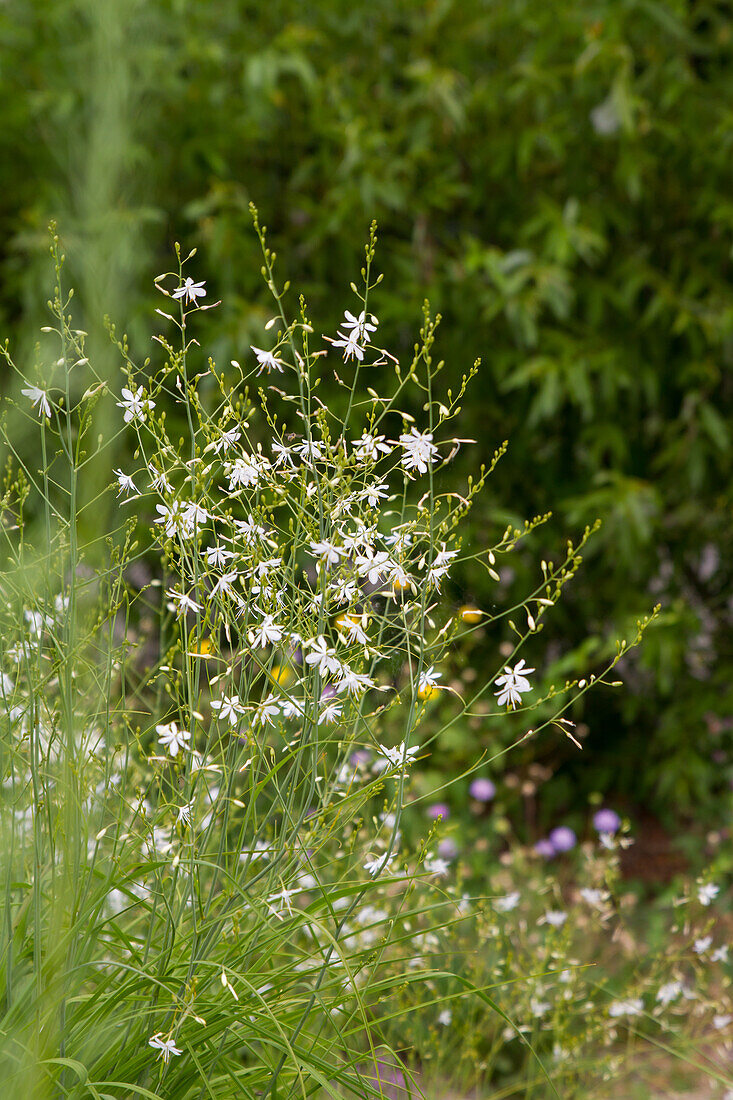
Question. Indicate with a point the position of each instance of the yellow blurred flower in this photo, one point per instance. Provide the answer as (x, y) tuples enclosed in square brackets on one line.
[(428, 691), (470, 614), (281, 675), (401, 585)]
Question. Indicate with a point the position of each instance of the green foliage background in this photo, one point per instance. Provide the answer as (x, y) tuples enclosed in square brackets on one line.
[(555, 177)]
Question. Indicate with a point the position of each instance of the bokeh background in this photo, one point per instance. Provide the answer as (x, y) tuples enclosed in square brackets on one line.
[(557, 179)]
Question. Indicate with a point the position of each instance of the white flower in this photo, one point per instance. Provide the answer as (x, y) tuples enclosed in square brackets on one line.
[(435, 865), (507, 903), (399, 540), (419, 450), (266, 633), (399, 577), (554, 917), (605, 117), (669, 992), (283, 897), (377, 864), (267, 711), (225, 441), (634, 1006), (440, 566), (719, 1022), (251, 532), (700, 946), (190, 290), (354, 683), (267, 565), (267, 360), (170, 516), (170, 736), (372, 494), (399, 755), (330, 712), (184, 813), (193, 515), (224, 584), (327, 551), (350, 344), (373, 565), (308, 450), (361, 539), (359, 324), (283, 455), (185, 603), (125, 482), (369, 446), (343, 591), (229, 708), (354, 628), (292, 708), (134, 404), (165, 1046), (720, 954), (217, 556), (514, 682), (159, 481), (246, 471), (593, 897), (445, 1017), (428, 679), (38, 397), (707, 893), (323, 657)]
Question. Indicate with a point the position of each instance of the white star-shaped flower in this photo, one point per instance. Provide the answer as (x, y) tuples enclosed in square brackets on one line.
[(172, 738), (38, 397), (379, 863), (134, 404), (165, 1046), (229, 709), (267, 633), (512, 683), (267, 360), (125, 482), (419, 450), (190, 290)]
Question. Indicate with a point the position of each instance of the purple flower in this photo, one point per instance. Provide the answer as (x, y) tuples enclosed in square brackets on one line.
[(447, 848), (439, 809), (606, 821), (563, 838), (544, 848), (360, 758), (483, 790)]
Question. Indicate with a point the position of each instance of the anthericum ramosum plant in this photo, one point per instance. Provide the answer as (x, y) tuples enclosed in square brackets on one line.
[(201, 805)]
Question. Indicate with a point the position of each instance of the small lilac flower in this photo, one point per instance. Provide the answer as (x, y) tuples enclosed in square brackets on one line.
[(447, 848), (438, 809), (545, 848), (483, 790), (563, 839), (606, 821)]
